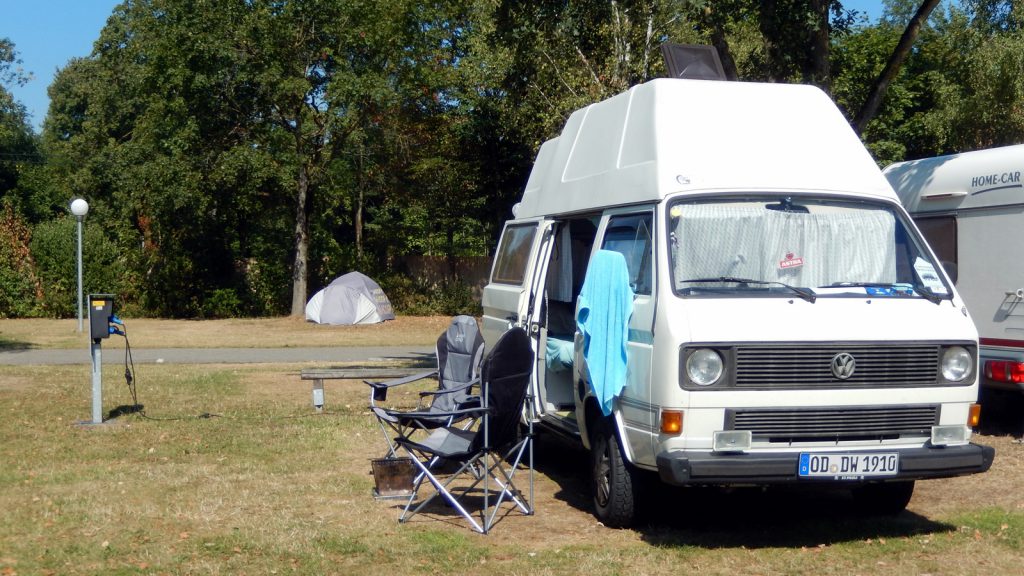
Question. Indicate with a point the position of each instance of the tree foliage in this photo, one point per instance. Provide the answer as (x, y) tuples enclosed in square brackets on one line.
[(239, 155), (960, 87), (17, 145)]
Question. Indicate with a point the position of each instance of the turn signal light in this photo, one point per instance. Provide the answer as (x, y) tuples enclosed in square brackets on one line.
[(672, 422), (1004, 371), (974, 416)]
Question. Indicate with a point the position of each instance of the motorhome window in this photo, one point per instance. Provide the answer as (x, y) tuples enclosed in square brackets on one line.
[(631, 236), (940, 232), (822, 244), (513, 254)]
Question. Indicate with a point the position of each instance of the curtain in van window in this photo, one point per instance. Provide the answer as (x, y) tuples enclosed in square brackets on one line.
[(559, 281), (831, 244)]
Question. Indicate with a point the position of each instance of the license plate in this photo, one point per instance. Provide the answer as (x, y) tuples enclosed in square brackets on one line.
[(848, 466)]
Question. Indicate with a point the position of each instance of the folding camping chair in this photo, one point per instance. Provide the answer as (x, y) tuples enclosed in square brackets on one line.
[(460, 351), (482, 453)]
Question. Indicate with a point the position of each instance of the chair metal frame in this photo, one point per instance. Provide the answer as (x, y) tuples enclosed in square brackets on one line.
[(484, 463), (403, 422)]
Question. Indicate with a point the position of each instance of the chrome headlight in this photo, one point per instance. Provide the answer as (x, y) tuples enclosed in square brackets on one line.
[(704, 366), (957, 363)]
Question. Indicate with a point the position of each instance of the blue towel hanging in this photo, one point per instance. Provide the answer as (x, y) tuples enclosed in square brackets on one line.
[(605, 305)]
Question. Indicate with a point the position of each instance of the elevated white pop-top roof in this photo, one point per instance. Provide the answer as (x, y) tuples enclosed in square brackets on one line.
[(993, 177), (673, 135)]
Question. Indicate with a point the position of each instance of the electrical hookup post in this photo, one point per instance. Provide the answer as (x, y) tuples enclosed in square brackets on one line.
[(101, 325)]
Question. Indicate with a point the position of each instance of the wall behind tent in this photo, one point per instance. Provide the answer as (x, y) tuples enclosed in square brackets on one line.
[(473, 271), (434, 285)]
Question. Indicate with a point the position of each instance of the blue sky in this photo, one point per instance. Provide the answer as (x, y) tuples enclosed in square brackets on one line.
[(48, 33)]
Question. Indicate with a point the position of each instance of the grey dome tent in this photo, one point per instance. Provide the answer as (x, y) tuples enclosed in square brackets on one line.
[(350, 299)]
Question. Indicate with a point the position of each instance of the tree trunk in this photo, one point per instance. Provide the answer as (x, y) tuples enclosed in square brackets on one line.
[(874, 100), (769, 32), (357, 218), (715, 20), (300, 269), (359, 226), (721, 44), (821, 73)]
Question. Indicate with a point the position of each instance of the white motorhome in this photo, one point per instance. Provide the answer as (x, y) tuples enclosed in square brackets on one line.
[(970, 208), (788, 324)]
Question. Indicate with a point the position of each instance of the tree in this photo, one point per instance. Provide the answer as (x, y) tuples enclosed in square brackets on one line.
[(157, 129), (874, 99), (17, 144), (957, 90), (210, 129), (19, 287), (557, 57)]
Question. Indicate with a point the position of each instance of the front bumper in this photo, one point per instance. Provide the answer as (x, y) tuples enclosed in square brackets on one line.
[(681, 467)]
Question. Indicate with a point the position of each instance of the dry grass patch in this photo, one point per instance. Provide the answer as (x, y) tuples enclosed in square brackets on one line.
[(265, 486), (231, 333)]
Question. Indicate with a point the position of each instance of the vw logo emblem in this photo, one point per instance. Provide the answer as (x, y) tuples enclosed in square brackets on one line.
[(843, 365)]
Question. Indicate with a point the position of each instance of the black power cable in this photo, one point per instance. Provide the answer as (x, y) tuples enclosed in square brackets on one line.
[(129, 372), (130, 380)]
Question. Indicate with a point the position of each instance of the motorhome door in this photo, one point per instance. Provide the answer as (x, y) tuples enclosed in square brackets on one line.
[(508, 297)]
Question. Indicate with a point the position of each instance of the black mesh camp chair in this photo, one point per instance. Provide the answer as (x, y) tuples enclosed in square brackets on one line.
[(482, 454), (460, 350)]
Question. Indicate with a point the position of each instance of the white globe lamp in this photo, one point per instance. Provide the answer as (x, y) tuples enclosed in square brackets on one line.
[(79, 207)]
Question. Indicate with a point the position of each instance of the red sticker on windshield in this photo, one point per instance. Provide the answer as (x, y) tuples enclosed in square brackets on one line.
[(791, 261)]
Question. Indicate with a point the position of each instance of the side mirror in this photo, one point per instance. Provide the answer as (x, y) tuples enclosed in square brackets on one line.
[(951, 270)]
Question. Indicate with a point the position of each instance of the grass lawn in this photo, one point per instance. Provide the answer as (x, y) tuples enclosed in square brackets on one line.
[(264, 485), (231, 333)]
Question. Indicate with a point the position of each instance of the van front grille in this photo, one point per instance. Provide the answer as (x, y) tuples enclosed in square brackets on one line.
[(793, 367), (834, 424)]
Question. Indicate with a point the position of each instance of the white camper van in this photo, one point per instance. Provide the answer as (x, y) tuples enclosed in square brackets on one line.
[(724, 290), (970, 207)]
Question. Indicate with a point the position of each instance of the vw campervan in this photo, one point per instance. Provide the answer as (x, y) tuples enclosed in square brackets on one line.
[(970, 207), (785, 321)]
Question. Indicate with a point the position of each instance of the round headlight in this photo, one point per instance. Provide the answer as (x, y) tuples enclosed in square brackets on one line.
[(704, 367), (956, 363)]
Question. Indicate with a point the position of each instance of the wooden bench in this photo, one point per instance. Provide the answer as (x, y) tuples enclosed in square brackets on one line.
[(318, 375)]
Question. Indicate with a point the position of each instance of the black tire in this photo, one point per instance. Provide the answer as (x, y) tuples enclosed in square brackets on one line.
[(613, 480), (883, 499)]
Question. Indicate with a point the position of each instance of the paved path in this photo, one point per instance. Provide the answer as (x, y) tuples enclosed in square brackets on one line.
[(115, 355)]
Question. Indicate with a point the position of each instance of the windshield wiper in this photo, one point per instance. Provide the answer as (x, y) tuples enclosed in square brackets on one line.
[(802, 292), (924, 292), (930, 296)]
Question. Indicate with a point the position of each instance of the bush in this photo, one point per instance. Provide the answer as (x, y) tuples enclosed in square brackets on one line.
[(54, 249), (222, 303), (19, 287), (414, 297)]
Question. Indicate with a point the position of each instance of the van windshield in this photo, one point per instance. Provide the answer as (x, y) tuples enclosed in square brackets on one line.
[(798, 245)]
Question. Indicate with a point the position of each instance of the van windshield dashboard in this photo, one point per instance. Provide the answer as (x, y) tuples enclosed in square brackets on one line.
[(798, 245)]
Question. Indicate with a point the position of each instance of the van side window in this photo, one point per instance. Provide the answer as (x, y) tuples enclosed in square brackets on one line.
[(513, 254), (940, 232), (630, 235)]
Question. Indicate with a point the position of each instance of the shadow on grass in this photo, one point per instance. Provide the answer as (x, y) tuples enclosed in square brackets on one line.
[(722, 518), (124, 410), (786, 518), (8, 345), (419, 360), (413, 361)]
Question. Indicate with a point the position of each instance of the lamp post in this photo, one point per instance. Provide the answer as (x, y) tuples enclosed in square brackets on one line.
[(79, 207)]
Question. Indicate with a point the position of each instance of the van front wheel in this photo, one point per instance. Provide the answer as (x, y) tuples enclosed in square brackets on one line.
[(614, 482)]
